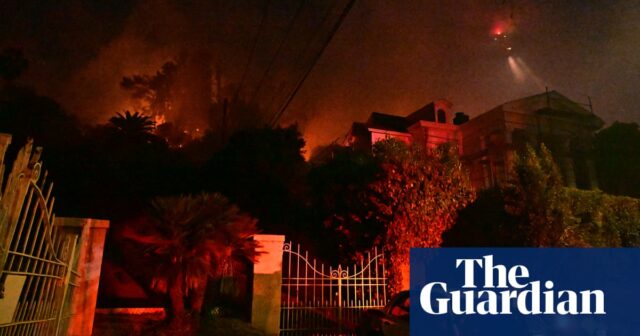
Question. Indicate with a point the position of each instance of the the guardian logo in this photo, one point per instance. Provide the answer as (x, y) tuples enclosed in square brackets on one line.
[(506, 291)]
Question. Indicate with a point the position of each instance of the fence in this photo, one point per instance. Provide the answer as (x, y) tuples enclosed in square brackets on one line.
[(36, 255), (320, 300)]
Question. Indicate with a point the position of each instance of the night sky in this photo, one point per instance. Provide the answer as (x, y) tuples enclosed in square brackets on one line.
[(388, 56)]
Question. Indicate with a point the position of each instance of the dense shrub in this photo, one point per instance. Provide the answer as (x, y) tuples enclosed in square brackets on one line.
[(606, 220), (485, 223), (536, 197), (417, 197)]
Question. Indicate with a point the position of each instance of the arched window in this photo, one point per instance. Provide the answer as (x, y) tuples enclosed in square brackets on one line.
[(442, 116)]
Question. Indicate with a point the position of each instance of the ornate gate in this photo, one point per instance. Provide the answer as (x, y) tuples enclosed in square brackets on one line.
[(35, 254), (320, 300)]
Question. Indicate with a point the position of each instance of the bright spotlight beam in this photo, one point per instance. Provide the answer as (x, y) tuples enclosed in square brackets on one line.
[(529, 73), (516, 70), (522, 73)]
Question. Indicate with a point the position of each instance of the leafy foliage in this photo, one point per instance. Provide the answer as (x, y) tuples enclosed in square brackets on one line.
[(417, 198), (263, 170), (133, 125), (606, 220), (536, 196), (189, 240), (485, 223), (340, 197)]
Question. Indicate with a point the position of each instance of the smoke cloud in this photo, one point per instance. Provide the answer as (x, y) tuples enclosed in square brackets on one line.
[(389, 56)]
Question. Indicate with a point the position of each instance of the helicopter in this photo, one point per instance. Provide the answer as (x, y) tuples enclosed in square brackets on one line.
[(503, 28)]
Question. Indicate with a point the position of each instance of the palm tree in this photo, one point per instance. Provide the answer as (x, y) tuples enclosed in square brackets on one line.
[(190, 240), (134, 125)]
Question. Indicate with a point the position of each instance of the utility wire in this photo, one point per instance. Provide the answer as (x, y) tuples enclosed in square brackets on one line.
[(278, 50), (302, 52), (253, 51), (334, 30)]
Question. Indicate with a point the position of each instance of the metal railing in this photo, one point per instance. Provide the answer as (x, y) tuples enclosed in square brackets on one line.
[(319, 300), (36, 255)]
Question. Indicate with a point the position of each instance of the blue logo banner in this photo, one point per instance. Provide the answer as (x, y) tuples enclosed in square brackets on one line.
[(525, 291)]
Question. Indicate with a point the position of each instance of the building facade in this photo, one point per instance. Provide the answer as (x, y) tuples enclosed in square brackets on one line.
[(488, 142)]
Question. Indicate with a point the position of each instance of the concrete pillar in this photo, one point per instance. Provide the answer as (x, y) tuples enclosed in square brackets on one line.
[(89, 263), (267, 285)]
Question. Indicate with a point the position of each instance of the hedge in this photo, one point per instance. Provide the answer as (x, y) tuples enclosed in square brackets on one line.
[(606, 220)]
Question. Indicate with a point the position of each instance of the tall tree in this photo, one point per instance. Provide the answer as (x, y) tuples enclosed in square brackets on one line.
[(154, 91), (263, 170), (340, 188), (417, 197), (133, 164), (133, 125)]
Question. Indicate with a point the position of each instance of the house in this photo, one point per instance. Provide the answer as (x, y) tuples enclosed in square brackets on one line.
[(488, 142)]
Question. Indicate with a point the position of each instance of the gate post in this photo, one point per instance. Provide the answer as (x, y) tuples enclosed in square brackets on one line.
[(88, 262), (267, 285), (340, 298)]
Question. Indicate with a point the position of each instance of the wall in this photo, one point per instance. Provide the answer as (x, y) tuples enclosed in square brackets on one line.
[(267, 283)]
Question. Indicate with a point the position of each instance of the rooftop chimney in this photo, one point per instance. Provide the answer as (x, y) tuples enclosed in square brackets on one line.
[(460, 118)]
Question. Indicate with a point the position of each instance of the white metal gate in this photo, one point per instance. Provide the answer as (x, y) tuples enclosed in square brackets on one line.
[(36, 256), (320, 300)]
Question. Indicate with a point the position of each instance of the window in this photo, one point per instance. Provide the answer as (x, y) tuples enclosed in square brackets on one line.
[(442, 116)]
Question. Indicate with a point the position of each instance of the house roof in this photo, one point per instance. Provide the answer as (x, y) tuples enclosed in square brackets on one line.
[(388, 122), (546, 100), (428, 112), (359, 129), (546, 103), (552, 103)]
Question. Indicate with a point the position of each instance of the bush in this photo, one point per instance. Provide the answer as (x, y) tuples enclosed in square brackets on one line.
[(606, 220), (485, 223), (536, 197), (417, 197)]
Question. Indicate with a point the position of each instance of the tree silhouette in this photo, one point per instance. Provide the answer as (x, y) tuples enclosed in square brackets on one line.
[(136, 125), (155, 91), (189, 240), (339, 186), (263, 171)]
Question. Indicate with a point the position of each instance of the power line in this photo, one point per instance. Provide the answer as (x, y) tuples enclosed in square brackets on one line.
[(278, 50), (343, 15), (299, 56), (253, 50)]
